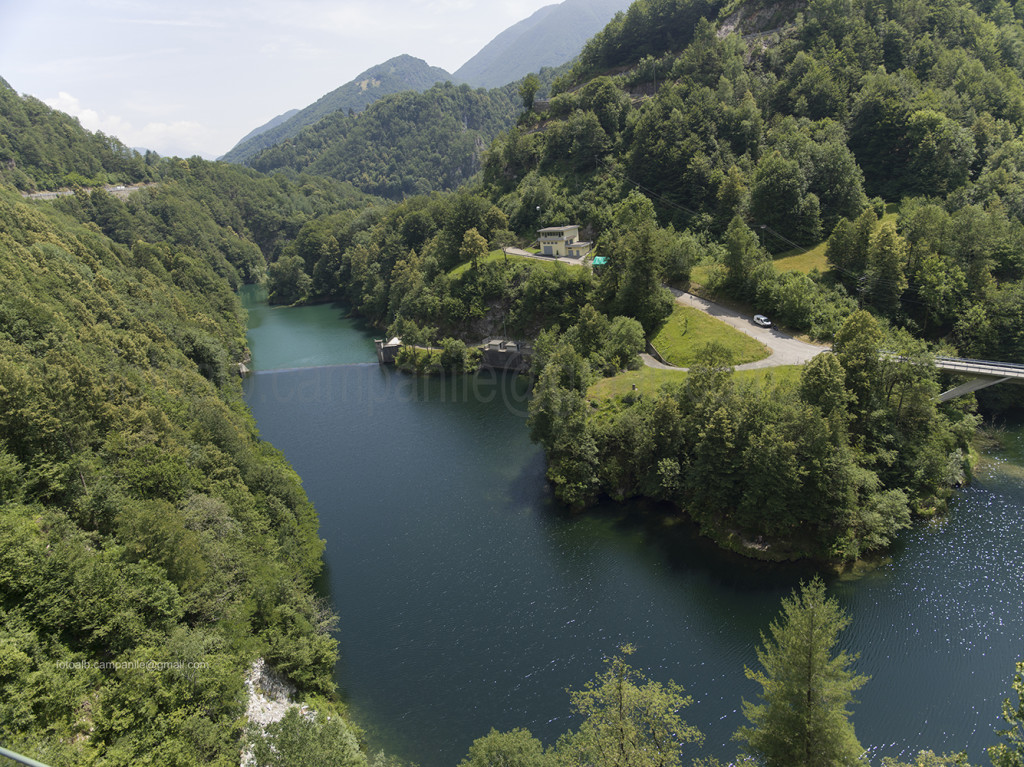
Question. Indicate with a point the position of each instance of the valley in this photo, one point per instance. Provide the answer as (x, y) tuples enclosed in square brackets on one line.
[(444, 562)]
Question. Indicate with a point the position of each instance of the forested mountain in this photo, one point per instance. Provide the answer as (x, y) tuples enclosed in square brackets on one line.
[(552, 36), (41, 148), (402, 73), (790, 121), (406, 143), (151, 546), (765, 125)]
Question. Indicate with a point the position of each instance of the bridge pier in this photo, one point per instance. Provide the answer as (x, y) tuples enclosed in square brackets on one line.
[(971, 386)]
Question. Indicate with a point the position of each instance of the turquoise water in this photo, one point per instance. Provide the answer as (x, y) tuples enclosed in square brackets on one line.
[(469, 599), (307, 336)]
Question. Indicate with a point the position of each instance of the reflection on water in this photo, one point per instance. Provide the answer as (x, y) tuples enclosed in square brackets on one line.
[(468, 599)]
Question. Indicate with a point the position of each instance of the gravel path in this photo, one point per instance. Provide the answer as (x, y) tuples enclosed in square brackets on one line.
[(539, 257), (786, 350)]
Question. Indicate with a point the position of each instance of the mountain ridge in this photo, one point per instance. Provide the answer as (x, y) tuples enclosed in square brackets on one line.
[(272, 123), (538, 41), (397, 74)]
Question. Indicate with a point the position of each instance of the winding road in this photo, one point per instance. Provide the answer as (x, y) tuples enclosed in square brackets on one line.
[(786, 350)]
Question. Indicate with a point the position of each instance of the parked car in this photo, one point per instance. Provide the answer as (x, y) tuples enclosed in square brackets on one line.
[(764, 322)]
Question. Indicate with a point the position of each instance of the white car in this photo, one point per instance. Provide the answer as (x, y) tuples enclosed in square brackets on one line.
[(764, 322)]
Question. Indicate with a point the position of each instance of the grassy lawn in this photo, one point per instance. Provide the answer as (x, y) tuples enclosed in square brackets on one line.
[(649, 380), (799, 260), (806, 260), (497, 255), (687, 331), (699, 275)]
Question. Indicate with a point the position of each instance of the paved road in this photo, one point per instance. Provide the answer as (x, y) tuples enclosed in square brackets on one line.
[(118, 191), (786, 350)]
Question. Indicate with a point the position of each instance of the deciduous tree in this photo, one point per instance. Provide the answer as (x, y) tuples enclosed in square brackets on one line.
[(629, 721)]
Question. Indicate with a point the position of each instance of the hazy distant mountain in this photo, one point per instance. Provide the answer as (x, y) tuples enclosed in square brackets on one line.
[(402, 73), (552, 36), (272, 124)]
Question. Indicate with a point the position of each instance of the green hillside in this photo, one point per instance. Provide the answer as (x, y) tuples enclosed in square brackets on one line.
[(767, 114), (407, 143), (44, 149), (402, 73), (145, 530)]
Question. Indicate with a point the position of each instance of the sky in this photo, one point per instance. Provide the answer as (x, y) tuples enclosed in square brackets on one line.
[(192, 77)]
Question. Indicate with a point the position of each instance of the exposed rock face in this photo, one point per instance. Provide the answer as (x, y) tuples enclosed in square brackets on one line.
[(270, 694), (752, 20), (270, 698)]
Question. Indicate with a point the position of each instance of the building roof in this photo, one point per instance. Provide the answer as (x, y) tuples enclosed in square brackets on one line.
[(559, 228)]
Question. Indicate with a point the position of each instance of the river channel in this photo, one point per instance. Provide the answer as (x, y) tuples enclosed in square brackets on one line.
[(470, 600)]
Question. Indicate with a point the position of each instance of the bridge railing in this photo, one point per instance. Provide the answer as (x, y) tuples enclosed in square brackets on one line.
[(968, 365), (984, 367)]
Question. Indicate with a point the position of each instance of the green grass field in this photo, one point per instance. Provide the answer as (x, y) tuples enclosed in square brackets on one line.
[(649, 380), (687, 331), (497, 255), (807, 260), (799, 260)]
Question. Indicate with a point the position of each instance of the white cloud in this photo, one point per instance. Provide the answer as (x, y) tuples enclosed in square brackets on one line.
[(192, 23), (193, 76), (179, 137), (294, 48)]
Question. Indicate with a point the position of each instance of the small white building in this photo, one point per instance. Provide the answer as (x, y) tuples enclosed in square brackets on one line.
[(563, 241)]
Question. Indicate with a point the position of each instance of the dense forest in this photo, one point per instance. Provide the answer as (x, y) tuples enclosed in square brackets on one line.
[(147, 532), (408, 143), (44, 149)]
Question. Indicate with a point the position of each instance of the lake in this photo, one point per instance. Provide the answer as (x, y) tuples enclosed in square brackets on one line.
[(469, 599)]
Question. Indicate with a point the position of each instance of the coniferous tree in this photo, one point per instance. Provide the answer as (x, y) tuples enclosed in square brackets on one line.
[(1010, 753), (887, 260), (804, 719)]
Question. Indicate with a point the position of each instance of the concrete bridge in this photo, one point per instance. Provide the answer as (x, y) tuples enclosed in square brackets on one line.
[(983, 373)]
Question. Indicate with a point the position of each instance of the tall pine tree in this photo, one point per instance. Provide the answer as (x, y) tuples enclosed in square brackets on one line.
[(804, 720)]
